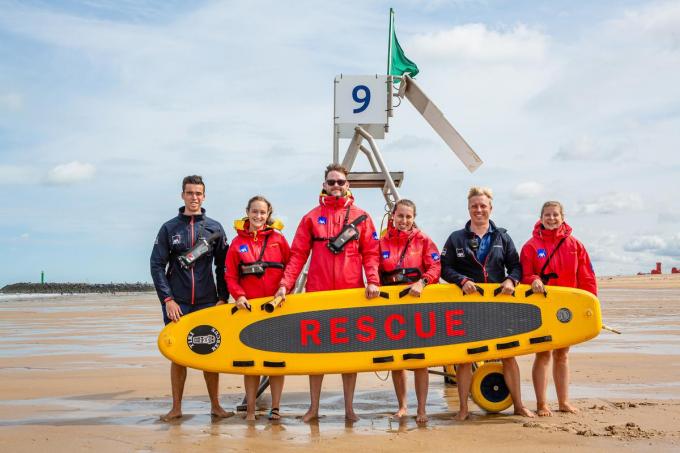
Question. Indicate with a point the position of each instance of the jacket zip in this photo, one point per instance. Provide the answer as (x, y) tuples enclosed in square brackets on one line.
[(193, 283), (474, 255)]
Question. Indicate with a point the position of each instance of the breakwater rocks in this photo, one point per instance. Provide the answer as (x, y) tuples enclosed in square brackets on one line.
[(75, 288)]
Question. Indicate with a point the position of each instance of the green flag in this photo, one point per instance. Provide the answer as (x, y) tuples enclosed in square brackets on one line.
[(397, 62)]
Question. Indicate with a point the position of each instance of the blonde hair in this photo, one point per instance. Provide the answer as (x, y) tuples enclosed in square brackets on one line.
[(476, 191), (548, 204)]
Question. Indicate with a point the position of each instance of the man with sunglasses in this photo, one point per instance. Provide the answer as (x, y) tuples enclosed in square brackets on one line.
[(483, 253), (342, 241)]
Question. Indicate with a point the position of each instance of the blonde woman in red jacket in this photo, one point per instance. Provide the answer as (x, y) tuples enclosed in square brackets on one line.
[(553, 256), (254, 267), (408, 256)]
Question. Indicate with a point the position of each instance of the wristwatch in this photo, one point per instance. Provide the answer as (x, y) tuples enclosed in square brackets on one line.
[(424, 282)]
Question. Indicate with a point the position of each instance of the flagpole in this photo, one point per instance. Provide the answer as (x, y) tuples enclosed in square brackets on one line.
[(389, 42)]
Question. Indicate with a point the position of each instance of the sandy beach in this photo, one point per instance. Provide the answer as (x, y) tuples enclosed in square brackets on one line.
[(83, 373)]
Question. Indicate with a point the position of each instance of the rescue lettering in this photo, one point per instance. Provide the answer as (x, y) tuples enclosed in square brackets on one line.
[(365, 324), (450, 322), (339, 330), (336, 330), (310, 328)]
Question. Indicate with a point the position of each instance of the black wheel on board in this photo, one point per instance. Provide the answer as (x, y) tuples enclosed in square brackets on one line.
[(489, 390)]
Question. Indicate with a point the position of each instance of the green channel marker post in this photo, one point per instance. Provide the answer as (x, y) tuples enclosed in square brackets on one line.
[(42, 277)]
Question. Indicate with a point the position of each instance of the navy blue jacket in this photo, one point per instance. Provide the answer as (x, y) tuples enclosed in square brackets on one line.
[(459, 262), (197, 284)]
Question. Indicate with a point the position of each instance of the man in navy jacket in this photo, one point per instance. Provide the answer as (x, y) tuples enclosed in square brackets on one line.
[(183, 290), (483, 253)]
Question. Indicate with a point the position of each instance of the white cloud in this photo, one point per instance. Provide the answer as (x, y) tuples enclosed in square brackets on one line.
[(528, 189), (70, 173), (659, 22), (611, 203), (477, 42), (655, 244)]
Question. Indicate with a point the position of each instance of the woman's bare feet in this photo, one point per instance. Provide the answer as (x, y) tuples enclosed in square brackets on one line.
[(523, 411), (462, 415), (351, 416), (250, 416), (174, 414), (400, 413), (544, 411), (567, 407), (421, 417), (219, 412), (310, 415)]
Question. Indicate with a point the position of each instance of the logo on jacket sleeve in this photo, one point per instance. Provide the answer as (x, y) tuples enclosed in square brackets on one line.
[(385, 254), (435, 256), (243, 248), (375, 235), (541, 253), (321, 220), (460, 253)]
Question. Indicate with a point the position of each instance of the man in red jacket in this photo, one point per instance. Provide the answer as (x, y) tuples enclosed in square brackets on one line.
[(335, 263)]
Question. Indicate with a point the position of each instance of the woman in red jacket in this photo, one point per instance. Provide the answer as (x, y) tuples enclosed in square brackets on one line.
[(255, 263), (408, 256), (553, 256)]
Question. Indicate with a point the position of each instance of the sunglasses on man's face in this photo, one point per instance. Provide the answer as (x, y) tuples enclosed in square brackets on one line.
[(339, 182)]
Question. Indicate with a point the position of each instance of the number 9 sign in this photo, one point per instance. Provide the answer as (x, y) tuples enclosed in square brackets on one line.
[(364, 99), (361, 100)]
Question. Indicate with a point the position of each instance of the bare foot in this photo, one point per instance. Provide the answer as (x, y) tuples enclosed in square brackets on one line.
[(310, 415), (351, 416), (400, 413), (567, 407), (544, 411), (462, 415), (221, 413), (250, 416), (523, 411), (174, 414), (421, 418)]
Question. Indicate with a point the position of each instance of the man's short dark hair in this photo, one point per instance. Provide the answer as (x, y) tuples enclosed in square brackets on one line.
[(192, 179), (335, 167)]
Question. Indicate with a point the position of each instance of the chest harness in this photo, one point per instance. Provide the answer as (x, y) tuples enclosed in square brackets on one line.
[(258, 267), (546, 277), (401, 274), (348, 233)]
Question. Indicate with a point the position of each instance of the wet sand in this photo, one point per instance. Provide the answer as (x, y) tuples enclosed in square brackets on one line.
[(83, 373)]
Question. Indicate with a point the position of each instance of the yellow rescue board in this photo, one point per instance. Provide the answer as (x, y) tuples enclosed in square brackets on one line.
[(342, 331)]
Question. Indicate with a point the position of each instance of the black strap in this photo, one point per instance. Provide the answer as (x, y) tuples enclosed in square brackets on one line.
[(358, 220), (403, 252), (546, 277), (264, 246), (347, 215), (259, 261)]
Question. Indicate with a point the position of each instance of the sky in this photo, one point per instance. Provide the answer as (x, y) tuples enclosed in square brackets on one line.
[(106, 105)]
